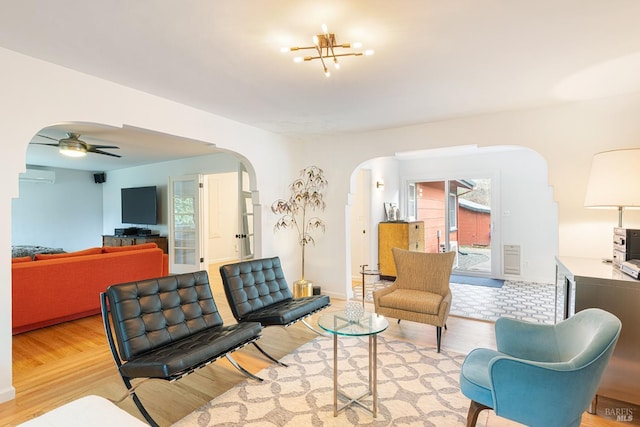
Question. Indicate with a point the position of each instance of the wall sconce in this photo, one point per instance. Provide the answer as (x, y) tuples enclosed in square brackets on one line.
[(380, 185), (612, 180)]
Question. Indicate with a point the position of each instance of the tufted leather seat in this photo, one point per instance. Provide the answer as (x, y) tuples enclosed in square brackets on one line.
[(168, 327), (258, 292)]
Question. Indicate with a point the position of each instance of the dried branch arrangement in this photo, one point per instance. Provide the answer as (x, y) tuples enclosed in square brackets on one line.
[(306, 197)]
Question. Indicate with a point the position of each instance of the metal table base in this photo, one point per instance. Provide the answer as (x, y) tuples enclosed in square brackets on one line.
[(373, 380)]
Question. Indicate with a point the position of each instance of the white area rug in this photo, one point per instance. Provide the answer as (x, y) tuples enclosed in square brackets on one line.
[(416, 387)]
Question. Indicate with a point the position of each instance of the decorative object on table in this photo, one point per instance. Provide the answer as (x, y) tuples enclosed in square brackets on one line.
[(353, 310), (392, 212), (306, 197)]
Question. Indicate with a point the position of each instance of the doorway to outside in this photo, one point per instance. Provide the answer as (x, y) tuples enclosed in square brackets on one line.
[(457, 217)]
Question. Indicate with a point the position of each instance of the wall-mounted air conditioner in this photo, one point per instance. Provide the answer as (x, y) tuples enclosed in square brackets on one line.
[(38, 175)]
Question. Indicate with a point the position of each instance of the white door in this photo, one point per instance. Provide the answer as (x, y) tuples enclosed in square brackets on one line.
[(361, 225), (246, 232), (186, 253)]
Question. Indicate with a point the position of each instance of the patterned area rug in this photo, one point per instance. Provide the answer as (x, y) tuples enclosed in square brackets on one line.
[(528, 301), (416, 386)]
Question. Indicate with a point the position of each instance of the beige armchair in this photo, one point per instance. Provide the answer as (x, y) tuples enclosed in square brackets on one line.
[(421, 290)]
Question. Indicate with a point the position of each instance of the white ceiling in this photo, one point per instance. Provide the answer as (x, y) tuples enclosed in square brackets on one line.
[(433, 59)]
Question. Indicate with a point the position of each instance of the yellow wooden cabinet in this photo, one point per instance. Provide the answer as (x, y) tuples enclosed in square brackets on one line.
[(404, 235)]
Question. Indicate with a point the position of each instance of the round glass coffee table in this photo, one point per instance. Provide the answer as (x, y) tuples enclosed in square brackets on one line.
[(368, 324)]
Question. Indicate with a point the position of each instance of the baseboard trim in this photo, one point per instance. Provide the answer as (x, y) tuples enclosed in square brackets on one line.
[(7, 394)]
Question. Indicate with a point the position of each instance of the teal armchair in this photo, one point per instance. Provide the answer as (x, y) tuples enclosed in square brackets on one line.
[(541, 375)]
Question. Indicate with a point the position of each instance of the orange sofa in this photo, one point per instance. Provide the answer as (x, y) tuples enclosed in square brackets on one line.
[(55, 288)]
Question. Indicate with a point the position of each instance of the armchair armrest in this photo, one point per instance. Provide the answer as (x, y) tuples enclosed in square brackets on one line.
[(525, 340), (382, 292)]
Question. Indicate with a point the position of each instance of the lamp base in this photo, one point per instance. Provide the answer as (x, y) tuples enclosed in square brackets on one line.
[(302, 288)]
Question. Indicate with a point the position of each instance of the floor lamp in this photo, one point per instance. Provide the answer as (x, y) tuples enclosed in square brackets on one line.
[(614, 180)]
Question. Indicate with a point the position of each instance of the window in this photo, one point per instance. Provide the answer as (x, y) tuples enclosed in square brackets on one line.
[(453, 212), (412, 206)]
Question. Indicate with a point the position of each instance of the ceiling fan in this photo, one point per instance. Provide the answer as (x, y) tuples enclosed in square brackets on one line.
[(73, 146)]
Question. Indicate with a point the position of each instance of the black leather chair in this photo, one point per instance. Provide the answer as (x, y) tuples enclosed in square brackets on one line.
[(258, 292), (168, 327)]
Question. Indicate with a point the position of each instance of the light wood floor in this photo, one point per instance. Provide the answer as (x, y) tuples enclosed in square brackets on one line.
[(56, 365)]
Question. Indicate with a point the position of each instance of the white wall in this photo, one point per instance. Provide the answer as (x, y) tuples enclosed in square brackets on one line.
[(66, 214)]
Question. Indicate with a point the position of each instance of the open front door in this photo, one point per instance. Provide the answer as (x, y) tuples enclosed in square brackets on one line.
[(185, 216), (457, 217)]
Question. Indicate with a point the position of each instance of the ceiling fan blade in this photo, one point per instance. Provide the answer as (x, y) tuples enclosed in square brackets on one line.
[(42, 143), (48, 137), (104, 146), (104, 152)]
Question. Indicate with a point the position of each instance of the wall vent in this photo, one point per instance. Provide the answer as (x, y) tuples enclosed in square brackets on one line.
[(511, 259), (38, 175)]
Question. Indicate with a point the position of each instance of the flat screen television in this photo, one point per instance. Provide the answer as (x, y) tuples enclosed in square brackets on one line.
[(139, 205)]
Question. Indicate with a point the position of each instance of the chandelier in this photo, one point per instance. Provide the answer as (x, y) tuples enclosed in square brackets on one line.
[(325, 47)]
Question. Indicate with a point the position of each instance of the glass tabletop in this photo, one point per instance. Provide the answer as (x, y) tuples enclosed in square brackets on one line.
[(368, 324)]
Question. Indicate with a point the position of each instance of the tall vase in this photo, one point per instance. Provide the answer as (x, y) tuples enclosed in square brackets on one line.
[(302, 287)]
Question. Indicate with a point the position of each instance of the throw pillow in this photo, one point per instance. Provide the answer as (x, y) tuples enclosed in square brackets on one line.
[(90, 251)]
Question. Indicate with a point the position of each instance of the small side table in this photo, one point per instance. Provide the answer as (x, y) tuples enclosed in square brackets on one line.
[(365, 272), (370, 324)]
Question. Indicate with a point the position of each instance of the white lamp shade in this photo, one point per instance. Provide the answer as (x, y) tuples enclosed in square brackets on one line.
[(614, 180)]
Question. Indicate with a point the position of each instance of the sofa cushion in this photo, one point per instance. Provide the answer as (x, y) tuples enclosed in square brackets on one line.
[(412, 300), (21, 259), (113, 249), (288, 311), (90, 251)]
